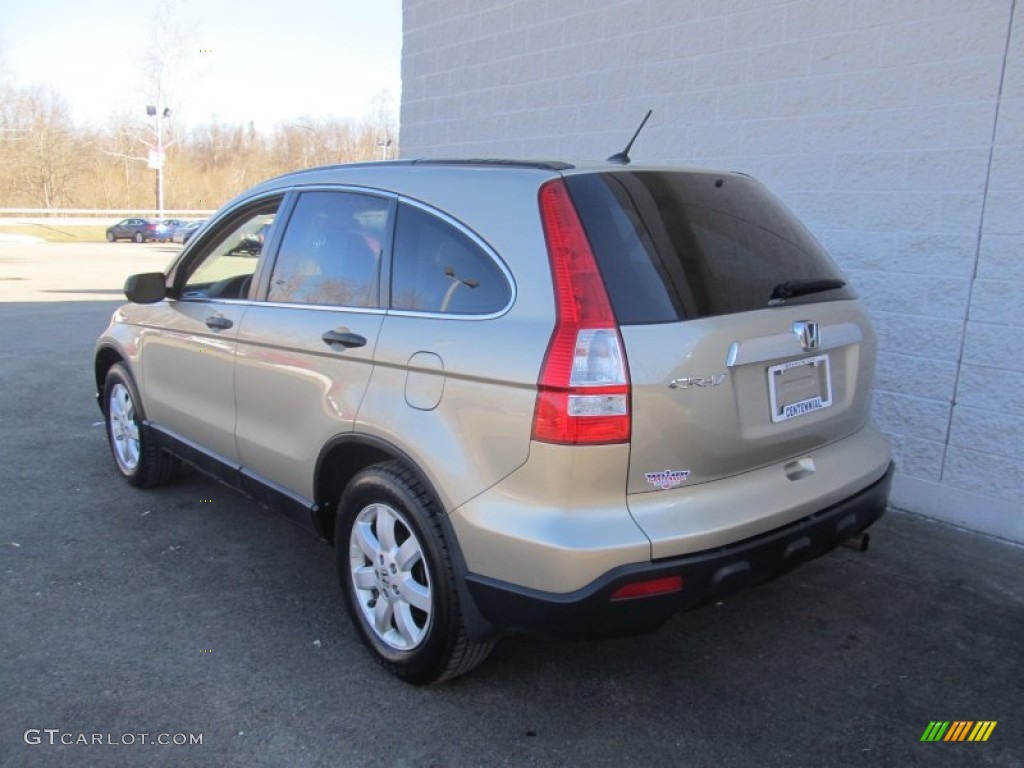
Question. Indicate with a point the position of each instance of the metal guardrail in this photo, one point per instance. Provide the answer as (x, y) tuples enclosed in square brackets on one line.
[(63, 213)]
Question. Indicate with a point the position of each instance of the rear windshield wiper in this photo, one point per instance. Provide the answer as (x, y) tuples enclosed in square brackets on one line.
[(791, 288)]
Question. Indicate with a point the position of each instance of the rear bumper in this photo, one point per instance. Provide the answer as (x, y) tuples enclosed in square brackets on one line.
[(590, 612)]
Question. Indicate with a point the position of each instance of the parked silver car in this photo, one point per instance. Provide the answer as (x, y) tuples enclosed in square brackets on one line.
[(514, 396), (184, 230)]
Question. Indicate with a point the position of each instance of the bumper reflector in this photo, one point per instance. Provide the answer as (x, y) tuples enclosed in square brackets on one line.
[(649, 588)]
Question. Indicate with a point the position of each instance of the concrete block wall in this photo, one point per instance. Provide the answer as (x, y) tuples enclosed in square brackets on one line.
[(894, 129)]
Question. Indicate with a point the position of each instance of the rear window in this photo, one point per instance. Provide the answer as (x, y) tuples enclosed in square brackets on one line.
[(676, 246)]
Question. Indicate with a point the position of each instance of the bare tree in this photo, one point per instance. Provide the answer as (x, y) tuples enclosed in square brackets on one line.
[(46, 160), (49, 153), (163, 66), (163, 54), (11, 134)]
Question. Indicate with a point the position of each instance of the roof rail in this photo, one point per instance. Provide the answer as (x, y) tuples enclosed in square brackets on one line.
[(545, 165)]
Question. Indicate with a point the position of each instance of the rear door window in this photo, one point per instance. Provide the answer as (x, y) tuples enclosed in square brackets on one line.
[(673, 246)]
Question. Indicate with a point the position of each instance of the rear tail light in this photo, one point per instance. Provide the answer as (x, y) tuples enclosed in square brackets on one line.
[(583, 393)]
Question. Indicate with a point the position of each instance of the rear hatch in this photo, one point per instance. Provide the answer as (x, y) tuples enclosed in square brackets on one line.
[(745, 345)]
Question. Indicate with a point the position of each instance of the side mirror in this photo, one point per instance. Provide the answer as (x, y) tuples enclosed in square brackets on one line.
[(147, 288)]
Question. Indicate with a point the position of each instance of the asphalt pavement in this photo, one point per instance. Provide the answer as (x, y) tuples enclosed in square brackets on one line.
[(190, 612)]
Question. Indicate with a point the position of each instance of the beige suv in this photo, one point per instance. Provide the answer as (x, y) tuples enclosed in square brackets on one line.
[(514, 396)]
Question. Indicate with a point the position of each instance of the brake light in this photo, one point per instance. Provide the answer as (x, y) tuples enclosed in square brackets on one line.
[(583, 390), (663, 586)]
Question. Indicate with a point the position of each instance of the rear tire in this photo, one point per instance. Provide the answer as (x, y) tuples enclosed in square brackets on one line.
[(139, 238), (397, 577), (137, 458)]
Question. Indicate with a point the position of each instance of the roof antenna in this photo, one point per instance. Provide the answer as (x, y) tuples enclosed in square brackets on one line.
[(622, 158)]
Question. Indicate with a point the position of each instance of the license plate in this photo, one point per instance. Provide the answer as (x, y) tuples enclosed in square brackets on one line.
[(799, 387)]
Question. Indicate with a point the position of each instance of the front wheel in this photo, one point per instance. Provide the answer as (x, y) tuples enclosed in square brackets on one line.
[(397, 577), (110, 237), (138, 459)]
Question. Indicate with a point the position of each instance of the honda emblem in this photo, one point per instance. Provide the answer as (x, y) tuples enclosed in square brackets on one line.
[(807, 332)]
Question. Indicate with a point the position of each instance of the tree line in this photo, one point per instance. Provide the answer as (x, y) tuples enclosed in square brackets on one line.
[(47, 161)]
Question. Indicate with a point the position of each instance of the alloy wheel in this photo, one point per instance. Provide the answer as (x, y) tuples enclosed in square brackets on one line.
[(124, 429), (389, 575)]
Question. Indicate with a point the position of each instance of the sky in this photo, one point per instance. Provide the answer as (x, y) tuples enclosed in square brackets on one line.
[(265, 61)]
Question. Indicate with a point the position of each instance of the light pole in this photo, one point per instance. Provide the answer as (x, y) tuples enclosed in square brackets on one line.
[(385, 147), (449, 272), (156, 156)]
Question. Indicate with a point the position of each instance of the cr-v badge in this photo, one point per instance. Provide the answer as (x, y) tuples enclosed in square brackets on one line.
[(688, 382)]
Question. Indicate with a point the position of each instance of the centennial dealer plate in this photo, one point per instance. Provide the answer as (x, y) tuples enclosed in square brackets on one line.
[(799, 387)]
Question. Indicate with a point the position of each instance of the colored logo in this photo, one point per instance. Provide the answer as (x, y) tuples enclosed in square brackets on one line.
[(670, 478), (959, 730)]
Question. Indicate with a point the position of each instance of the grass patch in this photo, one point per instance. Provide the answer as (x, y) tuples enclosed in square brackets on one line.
[(60, 233)]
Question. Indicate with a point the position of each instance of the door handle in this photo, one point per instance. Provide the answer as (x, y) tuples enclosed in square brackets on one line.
[(346, 339), (218, 323)]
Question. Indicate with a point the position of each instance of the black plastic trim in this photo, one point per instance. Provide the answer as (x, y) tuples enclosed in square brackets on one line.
[(710, 575), (264, 492), (306, 513)]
